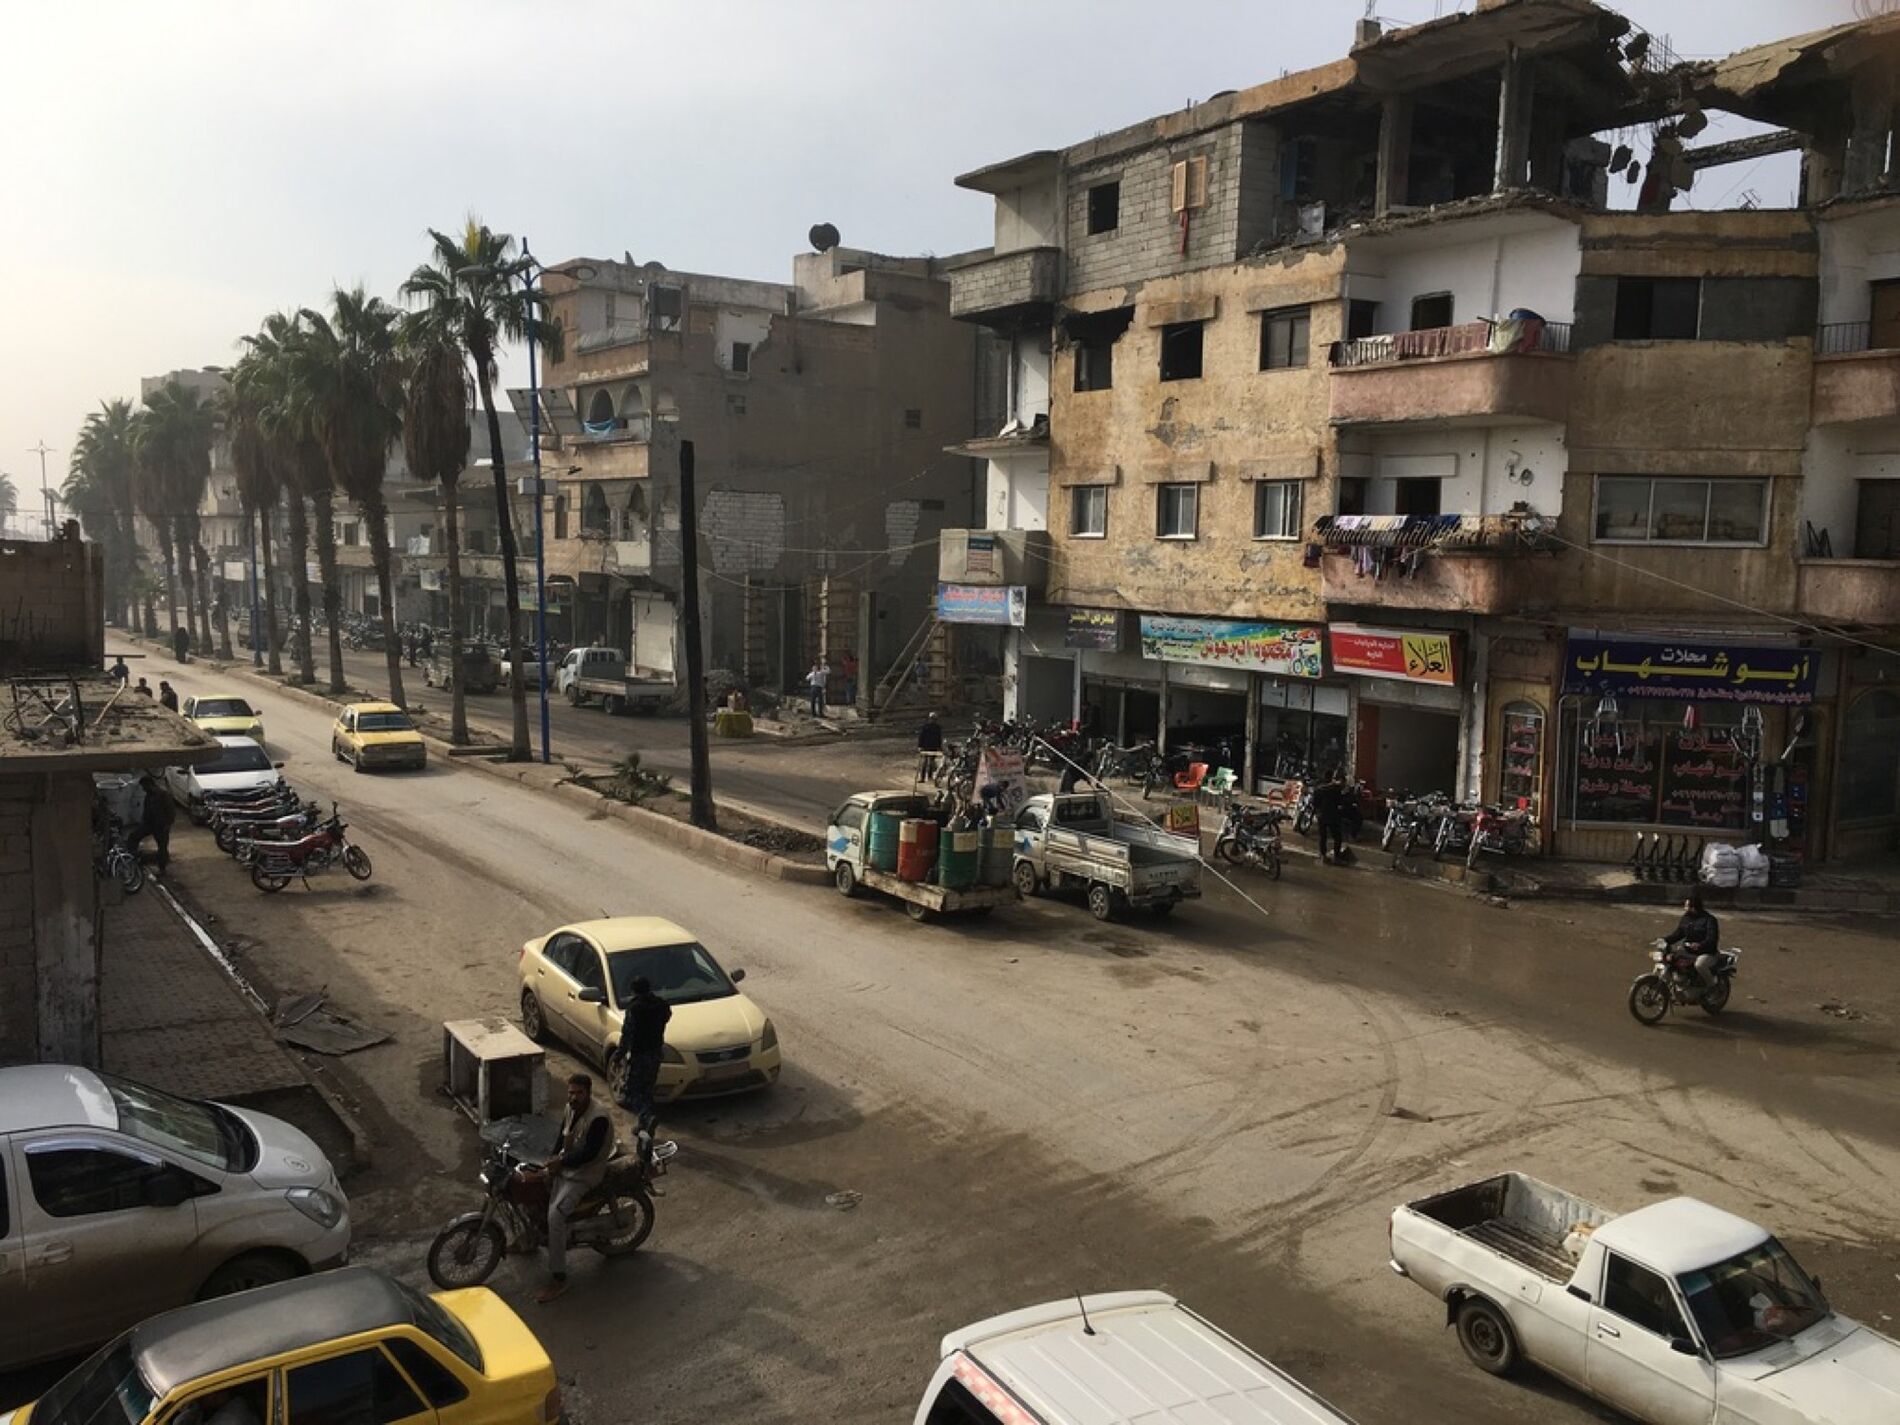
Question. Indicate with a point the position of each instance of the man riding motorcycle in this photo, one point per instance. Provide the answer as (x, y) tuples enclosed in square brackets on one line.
[(1698, 933), (579, 1165)]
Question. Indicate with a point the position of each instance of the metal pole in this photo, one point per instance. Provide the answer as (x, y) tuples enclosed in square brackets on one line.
[(540, 556), (46, 490), (701, 810), (257, 619)]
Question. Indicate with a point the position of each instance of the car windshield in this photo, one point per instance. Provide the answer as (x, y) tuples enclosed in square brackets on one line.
[(383, 722), (443, 1327), (680, 974), (212, 1135), (221, 707), (246, 757), (1753, 1300), (105, 1388)]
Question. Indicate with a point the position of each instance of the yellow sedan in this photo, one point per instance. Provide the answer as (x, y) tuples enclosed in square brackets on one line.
[(577, 981), (371, 735), (224, 715), (315, 1348)]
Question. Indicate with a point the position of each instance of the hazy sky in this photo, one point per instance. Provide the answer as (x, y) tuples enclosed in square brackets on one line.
[(174, 169)]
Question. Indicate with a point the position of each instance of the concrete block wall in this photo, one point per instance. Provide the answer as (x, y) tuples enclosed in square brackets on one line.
[(52, 605), (19, 1038), (1147, 241), (1012, 280)]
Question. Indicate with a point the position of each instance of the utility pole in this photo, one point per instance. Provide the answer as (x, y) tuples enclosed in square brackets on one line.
[(702, 807), (46, 491)]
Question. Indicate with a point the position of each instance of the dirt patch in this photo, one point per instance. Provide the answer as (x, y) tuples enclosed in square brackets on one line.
[(786, 841)]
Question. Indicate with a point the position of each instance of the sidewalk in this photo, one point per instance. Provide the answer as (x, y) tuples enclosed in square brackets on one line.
[(170, 1017)]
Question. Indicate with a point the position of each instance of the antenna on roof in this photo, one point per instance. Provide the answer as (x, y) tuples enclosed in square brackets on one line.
[(1087, 1330)]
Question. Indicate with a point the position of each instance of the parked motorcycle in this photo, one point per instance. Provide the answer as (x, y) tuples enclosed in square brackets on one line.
[(614, 1219), (1453, 832), (1251, 837), (1126, 763), (274, 863), (1673, 981), (1503, 833), (279, 824)]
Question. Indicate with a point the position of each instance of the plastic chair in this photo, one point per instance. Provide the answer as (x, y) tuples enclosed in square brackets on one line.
[(1190, 780)]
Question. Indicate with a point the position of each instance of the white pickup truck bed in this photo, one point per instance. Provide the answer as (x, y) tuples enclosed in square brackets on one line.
[(1517, 1217)]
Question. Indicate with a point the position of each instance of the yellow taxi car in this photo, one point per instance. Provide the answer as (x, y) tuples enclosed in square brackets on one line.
[(577, 981), (224, 715), (369, 735), (349, 1344)]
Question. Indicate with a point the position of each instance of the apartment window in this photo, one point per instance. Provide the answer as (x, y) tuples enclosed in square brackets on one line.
[(667, 307), (1353, 490), (1177, 511), (1094, 365), (1417, 495), (1283, 338), (1657, 308), (1362, 318), (1640, 510), (1276, 509), (1431, 311), (1105, 207), (1181, 351), (1088, 511), (914, 418), (741, 357), (735, 404), (560, 516)]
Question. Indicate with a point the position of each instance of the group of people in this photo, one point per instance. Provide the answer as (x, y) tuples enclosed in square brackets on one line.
[(167, 695)]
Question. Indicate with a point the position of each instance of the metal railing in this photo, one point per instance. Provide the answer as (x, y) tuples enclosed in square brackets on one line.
[(619, 334), (1839, 338), (1552, 338)]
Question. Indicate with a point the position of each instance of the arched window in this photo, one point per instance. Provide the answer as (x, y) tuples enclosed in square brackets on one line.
[(594, 519), (600, 407), (1870, 757)]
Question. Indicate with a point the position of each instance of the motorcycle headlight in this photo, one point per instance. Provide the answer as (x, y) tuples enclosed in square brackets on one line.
[(769, 1039), (319, 1206)]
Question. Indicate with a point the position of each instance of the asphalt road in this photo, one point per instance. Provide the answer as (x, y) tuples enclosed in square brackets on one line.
[(1226, 1107)]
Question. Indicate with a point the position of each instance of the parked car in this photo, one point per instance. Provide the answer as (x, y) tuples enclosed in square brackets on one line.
[(576, 982), (1125, 1355), (1665, 1313), (480, 672), (589, 674), (242, 766), (118, 1201), (224, 715), (376, 735), (350, 1345)]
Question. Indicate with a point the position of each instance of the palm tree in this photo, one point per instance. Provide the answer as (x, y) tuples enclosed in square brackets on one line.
[(180, 429), (435, 439), (99, 486), (350, 387), (475, 291), (149, 497), (9, 497), (260, 478), (304, 474)]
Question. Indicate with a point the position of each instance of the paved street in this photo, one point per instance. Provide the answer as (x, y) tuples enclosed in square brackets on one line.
[(1226, 1107)]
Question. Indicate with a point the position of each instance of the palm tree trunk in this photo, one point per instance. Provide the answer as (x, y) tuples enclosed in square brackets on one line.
[(298, 519), (452, 540), (376, 516), (171, 579), (270, 597), (505, 532), (181, 547), (219, 607), (323, 511)]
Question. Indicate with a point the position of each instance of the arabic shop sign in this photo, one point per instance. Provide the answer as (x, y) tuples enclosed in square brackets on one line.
[(982, 603), (1410, 655), (1232, 643), (1710, 672), (1094, 628)]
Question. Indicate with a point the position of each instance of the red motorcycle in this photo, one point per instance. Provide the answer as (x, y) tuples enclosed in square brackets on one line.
[(274, 863), (1505, 833)]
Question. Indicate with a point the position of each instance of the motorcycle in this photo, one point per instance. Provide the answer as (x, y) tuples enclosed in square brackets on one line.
[(1251, 837), (613, 1219), (1126, 763), (1505, 833), (273, 863), (1673, 981), (287, 823), (1453, 832)]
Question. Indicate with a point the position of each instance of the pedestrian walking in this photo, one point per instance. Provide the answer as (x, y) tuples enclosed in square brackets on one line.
[(815, 685), (929, 748), (118, 672), (156, 815), (181, 644), (167, 695), (1329, 811), (849, 666), (643, 1041)]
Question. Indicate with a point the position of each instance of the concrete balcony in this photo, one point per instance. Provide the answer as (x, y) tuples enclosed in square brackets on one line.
[(1016, 287), (607, 459), (1852, 591), (1856, 386), (1483, 565), (994, 557), (1452, 376)]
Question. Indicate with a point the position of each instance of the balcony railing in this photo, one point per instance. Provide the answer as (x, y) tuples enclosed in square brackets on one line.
[(1463, 534), (1841, 338), (1498, 338), (635, 428), (619, 334)]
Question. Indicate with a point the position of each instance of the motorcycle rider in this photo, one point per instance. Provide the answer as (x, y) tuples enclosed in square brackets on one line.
[(579, 1165), (1699, 934)]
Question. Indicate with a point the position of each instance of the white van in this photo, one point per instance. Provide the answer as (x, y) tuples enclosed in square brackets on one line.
[(1099, 1360)]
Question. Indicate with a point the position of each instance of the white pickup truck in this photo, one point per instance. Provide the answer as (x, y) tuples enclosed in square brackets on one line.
[(1075, 839), (587, 674), (1676, 1314)]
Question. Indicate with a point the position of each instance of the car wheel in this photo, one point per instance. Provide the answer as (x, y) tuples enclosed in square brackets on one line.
[(1024, 877), (845, 879), (1486, 1337), (1101, 901), (356, 762), (532, 1024), (253, 1269)]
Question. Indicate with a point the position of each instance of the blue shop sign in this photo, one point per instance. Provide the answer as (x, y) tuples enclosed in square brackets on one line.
[(1685, 672)]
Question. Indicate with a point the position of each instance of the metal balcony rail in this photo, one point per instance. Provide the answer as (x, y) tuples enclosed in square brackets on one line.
[(1483, 335), (1494, 533), (1839, 338)]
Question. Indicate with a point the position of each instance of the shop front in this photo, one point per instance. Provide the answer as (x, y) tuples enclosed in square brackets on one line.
[(1409, 710), (1692, 741), (1039, 668)]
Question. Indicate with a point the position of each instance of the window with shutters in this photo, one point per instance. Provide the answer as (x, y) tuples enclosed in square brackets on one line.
[(1188, 184)]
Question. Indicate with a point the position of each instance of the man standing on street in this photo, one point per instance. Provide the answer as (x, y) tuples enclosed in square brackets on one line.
[(849, 667), (579, 1165), (929, 748), (815, 685), (643, 1039), (155, 820), (181, 644), (1330, 812)]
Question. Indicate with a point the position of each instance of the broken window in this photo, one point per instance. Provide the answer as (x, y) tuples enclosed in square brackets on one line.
[(594, 517), (668, 306), (1177, 511), (1181, 351), (1657, 308), (1088, 511), (741, 357), (1276, 509), (1283, 338), (1431, 311), (1105, 207)]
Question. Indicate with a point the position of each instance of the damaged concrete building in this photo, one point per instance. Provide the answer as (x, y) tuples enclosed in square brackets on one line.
[(1400, 414), (819, 411)]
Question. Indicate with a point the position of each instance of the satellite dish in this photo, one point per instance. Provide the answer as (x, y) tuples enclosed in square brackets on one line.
[(824, 237)]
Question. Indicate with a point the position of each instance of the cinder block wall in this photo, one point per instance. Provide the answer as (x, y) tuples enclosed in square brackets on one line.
[(52, 605), (19, 1018)]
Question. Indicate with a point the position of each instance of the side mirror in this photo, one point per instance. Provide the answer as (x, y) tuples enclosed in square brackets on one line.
[(165, 1189), (1683, 1346), (593, 994), (278, 765), (738, 975)]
